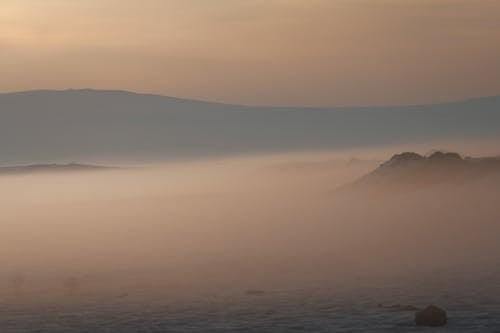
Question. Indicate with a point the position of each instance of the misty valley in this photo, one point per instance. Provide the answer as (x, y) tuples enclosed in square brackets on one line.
[(304, 242), (252, 166)]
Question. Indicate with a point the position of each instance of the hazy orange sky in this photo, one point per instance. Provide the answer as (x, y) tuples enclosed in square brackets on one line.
[(279, 52)]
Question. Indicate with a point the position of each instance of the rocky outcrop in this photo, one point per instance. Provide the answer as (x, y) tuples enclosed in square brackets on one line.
[(444, 156), (431, 316), (410, 171), (403, 159)]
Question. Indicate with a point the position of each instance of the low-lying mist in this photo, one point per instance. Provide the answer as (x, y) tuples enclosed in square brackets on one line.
[(238, 223)]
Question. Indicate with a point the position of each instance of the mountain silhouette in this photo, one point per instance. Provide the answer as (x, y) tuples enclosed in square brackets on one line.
[(37, 168), (81, 124), (410, 170)]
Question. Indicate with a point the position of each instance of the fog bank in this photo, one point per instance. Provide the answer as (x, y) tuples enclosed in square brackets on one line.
[(238, 223)]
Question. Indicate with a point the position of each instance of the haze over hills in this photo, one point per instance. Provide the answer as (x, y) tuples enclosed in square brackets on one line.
[(43, 168), (52, 126), (410, 171)]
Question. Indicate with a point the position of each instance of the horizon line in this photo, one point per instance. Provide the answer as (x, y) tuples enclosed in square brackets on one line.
[(187, 99)]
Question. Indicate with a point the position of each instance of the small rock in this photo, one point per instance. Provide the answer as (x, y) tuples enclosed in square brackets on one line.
[(431, 316)]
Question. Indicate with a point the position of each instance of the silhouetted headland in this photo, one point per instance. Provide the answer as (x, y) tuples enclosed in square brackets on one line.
[(42, 168), (409, 170)]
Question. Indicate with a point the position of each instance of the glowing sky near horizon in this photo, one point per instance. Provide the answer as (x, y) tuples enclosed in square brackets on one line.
[(277, 52)]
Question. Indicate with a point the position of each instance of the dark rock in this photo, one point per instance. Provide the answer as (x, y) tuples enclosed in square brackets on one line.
[(431, 316), (254, 292)]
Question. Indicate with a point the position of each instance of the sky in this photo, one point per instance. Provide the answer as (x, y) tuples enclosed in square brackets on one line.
[(257, 52)]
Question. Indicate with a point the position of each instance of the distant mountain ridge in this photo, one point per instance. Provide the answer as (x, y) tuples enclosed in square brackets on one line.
[(38, 168), (84, 124)]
